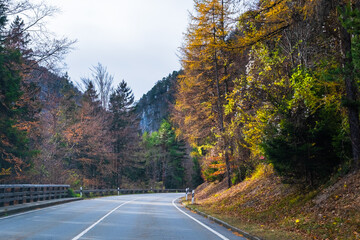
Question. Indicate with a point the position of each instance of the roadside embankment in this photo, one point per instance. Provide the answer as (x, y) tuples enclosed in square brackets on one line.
[(263, 206)]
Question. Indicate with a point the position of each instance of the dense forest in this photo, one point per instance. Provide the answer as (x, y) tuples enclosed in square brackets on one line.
[(275, 84), (272, 82), (88, 134)]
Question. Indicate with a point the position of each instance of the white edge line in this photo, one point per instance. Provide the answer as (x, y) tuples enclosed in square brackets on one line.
[(202, 224), (98, 221)]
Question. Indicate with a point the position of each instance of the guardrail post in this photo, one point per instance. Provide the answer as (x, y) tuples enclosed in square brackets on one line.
[(2, 197), (193, 197), (21, 195), (12, 202), (52, 192), (31, 197), (81, 192), (41, 192), (46, 192)]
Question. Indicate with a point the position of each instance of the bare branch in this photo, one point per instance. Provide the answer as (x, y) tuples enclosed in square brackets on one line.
[(46, 49)]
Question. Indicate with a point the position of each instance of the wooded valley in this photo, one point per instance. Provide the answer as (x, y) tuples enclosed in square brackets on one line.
[(267, 82)]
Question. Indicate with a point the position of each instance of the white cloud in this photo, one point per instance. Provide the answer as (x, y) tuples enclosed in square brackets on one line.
[(137, 40)]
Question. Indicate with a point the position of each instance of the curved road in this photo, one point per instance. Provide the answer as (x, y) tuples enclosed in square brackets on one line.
[(141, 216)]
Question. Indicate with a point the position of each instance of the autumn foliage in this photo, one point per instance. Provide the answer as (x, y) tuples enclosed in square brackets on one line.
[(275, 82)]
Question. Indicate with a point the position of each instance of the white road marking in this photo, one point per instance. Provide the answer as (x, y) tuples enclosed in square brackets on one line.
[(98, 221), (202, 224)]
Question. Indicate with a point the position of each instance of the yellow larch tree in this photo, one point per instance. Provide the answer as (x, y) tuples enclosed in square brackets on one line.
[(202, 89)]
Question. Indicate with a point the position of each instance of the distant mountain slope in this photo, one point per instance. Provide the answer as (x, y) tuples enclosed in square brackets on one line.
[(154, 106), (52, 86)]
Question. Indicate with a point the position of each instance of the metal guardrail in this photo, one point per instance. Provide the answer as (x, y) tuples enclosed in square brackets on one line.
[(24, 193), (12, 194), (104, 192)]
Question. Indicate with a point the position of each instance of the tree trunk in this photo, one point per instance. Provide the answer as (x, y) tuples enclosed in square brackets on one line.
[(220, 104), (351, 94), (228, 169)]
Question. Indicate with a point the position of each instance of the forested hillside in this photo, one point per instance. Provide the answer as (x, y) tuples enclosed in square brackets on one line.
[(25, 57), (52, 132), (161, 146), (276, 84), (269, 101)]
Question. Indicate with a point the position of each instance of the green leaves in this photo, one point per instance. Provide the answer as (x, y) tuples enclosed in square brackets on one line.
[(165, 156), (350, 18), (305, 90)]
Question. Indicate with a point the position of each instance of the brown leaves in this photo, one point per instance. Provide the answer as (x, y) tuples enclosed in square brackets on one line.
[(265, 201)]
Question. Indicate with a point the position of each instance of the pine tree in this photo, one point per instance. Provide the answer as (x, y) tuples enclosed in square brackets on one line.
[(173, 157), (164, 157), (14, 152), (123, 129), (349, 40)]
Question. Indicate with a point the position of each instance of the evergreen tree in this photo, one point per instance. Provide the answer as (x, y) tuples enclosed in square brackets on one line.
[(350, 46), (14, 152), (165, 156), (18, 38), (173, 157), (124, 132)]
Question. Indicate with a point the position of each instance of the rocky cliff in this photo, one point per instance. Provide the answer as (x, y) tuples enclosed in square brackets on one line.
[(154, 106)]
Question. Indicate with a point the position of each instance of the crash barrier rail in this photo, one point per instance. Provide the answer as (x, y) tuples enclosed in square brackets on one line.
[(105, 192), (25, 193)]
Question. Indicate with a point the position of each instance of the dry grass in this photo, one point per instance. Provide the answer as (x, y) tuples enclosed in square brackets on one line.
[(265, 207)]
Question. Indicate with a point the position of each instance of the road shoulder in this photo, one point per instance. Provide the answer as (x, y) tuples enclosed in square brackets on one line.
[(220, 223), (19, 208)]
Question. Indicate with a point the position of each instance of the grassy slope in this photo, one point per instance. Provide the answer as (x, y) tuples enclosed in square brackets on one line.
[(265, 207)]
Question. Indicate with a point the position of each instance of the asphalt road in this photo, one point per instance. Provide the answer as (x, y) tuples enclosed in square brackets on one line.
[(140, 216)]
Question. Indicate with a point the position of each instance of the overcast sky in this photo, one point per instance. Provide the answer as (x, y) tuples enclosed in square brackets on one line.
[(137, 40)]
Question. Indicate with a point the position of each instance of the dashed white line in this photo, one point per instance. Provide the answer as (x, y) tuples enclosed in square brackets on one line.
[(98, 221), (202, 224)]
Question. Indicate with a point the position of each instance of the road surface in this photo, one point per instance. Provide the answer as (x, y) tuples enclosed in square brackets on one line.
[(140, 216)]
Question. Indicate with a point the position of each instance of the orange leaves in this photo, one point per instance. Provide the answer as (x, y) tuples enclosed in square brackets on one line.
[(221, 168), (17, 164), (217, 165), (214, 167), (74, 134), (84, 160), (4, 141), (201, 90), (27, 126)]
